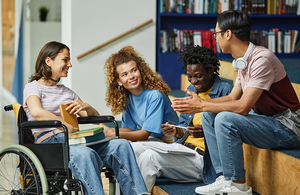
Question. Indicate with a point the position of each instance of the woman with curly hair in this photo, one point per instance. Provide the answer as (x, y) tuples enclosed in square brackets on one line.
[(137, 92)]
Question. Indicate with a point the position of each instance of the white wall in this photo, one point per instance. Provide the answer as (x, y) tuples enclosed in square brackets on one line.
[(1, 71), (37, 34), (54, 7), (87, 24)]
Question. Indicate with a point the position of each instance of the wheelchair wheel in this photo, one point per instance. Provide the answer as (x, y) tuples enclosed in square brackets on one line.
[(21, 172)]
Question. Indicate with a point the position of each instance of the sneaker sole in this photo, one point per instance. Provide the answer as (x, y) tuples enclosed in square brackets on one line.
[(225, 193)]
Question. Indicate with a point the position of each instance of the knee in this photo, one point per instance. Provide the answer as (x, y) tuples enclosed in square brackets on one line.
[(224, 117), (120, 143), (148, 156)]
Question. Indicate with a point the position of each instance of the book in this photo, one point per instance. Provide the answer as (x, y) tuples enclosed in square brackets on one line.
[(72, 120), (86, 139), (87, 132), (271, 41), (197, 38), (279, 42), (67, 117), (287, 42), (295, 38)]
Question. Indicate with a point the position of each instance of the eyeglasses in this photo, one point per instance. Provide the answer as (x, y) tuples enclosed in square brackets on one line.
[(215, 33)]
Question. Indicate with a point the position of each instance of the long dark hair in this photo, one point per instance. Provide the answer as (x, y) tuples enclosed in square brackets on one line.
[(51, 50)]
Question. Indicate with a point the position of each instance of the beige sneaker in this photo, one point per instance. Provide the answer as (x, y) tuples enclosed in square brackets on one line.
[(230, 189), (217, 185)]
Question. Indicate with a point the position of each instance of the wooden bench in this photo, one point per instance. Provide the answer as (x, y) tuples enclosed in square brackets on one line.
[(268, 172)]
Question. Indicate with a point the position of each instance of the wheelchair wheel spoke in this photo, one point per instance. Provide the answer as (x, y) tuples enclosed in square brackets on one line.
[(17, 174)]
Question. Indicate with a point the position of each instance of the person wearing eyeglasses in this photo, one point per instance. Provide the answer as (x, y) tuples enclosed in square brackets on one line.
[(262, 109)]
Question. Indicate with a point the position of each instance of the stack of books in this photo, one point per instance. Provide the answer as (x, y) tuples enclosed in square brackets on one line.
[(87, 136), (82, 136)]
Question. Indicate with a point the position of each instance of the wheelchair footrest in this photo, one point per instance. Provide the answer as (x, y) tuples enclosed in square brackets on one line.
[(73, 185)]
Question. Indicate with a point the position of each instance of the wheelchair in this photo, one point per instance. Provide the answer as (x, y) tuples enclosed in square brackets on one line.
[(30, 168)]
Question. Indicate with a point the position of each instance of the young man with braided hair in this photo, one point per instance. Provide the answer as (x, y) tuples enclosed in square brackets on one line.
[(186, 164)]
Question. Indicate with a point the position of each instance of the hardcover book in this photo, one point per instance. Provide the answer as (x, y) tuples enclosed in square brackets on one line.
[(72, 120), (87, 132), (86, 139), (67, 117)]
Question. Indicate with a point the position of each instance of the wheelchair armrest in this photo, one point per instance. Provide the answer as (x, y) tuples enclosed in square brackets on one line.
[(41, 124), (95, 119), (46, 124)]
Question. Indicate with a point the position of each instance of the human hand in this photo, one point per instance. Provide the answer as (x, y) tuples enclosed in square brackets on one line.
[(74, 107), (71, 129), (110, 132), (168, 130), (190, 104), (196, 131)]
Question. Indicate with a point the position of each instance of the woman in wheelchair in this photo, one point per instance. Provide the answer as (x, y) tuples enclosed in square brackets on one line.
[(42, 97), (140, 94)]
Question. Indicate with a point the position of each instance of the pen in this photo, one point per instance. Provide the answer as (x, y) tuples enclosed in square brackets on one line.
[(177, 126)]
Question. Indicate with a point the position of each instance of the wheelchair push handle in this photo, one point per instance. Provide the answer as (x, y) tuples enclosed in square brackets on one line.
[(8, 108)]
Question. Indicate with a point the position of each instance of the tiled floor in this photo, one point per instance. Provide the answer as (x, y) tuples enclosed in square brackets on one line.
[(8, 134)]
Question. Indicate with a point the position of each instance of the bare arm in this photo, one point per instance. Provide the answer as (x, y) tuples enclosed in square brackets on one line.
[(129, 134), (40, 114), (236, 101), (81, 108)]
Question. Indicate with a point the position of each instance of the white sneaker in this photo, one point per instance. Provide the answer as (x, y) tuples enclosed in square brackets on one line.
[(217, 185), (230, 189)]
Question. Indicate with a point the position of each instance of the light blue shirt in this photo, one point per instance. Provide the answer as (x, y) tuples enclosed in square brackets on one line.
[(148, 111)]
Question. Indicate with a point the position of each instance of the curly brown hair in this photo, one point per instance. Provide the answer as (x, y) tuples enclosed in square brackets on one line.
[(116, 97)]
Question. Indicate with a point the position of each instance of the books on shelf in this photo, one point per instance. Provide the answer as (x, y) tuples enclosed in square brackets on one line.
[(175, 40), (218, 6), (274, 39)]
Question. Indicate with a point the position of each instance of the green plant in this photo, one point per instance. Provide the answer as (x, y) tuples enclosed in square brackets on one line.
[(43, 10)]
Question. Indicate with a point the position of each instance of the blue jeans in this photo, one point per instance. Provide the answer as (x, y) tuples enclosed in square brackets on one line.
[(86, 164), (226, 132)]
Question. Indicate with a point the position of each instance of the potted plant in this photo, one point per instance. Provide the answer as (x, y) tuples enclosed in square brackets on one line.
[(43, 13)]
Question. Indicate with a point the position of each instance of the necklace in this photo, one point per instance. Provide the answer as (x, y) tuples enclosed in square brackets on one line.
[(54, 80)]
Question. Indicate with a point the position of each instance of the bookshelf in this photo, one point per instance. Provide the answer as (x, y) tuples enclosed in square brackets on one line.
[(168, 65)]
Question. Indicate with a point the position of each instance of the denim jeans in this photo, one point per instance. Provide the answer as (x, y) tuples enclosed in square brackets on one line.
[(225, 133), (86, 164)]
